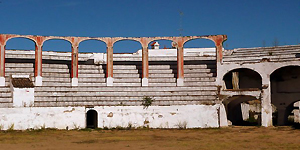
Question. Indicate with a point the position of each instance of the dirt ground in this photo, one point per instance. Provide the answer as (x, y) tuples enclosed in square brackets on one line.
[(155, 139)]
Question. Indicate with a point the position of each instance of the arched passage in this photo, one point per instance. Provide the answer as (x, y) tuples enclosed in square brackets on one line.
[(243, 110), (56, 65), (164, 70), (88, 72), (126, 72), (19, 63), (126, 46), (92, 119), (92, 46), (242, 78), (285, 91)]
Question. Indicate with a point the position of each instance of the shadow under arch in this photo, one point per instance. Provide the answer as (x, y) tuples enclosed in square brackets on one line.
[(234, 110), (92, 119), (242, 78), (285, 91)]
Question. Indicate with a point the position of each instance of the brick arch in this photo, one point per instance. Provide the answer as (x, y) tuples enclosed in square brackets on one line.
[(248, 78), (20, 36), (190, 38), (115, 40), (237, 67), (57, 38), (86, 39), (160, 38), (283, 66)]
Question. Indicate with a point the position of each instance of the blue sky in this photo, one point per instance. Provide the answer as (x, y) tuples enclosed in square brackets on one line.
[(248, 23)]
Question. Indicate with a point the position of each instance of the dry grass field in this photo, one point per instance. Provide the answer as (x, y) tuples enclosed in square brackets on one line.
[(232, 138)]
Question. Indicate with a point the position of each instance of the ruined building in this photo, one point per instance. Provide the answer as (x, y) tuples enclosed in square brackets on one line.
[(193, 88)]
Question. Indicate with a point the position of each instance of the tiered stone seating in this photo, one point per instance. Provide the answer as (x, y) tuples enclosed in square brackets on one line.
[(273, 54), (199, 86)]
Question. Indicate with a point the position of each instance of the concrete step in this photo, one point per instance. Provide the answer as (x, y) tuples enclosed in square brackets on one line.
[(161, 80), (125, 71), (119, 103), (19, 70), (202, 66), (126, 75), (7, 99), (162, 84), (208, 79), (57, 66), (54, 75), (198, 75), (156, 75), (118, 94), (96, 75), (127, 80), (19, 65), (199, 84), (165, 71), (93, 80), (120, 98), (114, 88)]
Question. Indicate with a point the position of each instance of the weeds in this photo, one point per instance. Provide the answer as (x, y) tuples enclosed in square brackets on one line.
[(181, 125), (11, 127), (147, 101)]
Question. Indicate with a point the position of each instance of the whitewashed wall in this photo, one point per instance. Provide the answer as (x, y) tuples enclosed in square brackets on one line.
[(189, 116)]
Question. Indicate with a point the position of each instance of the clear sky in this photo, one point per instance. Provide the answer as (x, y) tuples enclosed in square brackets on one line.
[(248, 23)]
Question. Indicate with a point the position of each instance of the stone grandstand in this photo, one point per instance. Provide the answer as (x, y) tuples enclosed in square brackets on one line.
[(191, 88)]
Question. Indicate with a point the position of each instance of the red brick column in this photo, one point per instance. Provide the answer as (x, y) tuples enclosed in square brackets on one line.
[(109, 66), (2, 60), (180, 63), (74, 65), (145, 64), (38, 65)]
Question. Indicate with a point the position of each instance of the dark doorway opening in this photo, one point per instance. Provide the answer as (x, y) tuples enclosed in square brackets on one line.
[(92, 119)]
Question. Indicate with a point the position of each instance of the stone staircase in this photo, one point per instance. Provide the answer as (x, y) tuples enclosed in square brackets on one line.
[(272, 54), (199, 88)]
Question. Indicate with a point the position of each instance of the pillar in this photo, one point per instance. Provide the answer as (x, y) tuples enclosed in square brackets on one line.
[(38, 65), (266, 107), (109, 66), (145, 65), (235, 80), (2, 64), (180, 71), (74, 65)]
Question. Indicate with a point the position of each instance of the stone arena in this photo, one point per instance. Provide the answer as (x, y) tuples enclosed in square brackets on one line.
[(190, 87)]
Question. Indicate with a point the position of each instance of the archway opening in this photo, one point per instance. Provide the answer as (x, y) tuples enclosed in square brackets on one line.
[(242, 78), (285, 91), (19, 57), (243, 110), (92, 46), (56, 62), (126, 46), (92, 119)]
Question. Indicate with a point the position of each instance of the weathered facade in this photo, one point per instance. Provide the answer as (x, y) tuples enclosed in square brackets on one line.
[(191, 87)]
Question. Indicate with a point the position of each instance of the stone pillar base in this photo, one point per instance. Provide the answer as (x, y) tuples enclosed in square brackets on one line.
[(38, 81), (109, 81), (2, 81), (180, 82), (74, 81), (145, 82)]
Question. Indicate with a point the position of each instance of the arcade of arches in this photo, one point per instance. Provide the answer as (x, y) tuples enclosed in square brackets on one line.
[(246, 109)]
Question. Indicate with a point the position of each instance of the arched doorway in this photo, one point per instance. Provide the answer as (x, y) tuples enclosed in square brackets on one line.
[(285, 91), (92, 119), (243, 110), (242, 78)]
